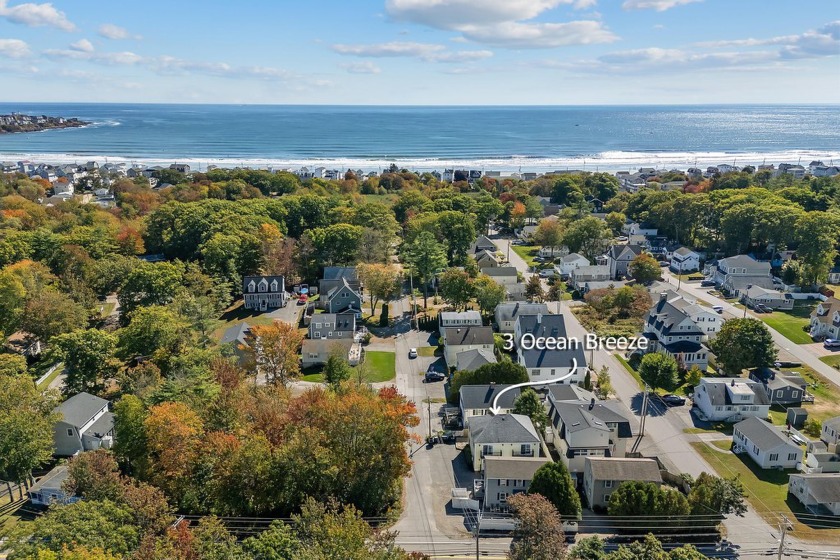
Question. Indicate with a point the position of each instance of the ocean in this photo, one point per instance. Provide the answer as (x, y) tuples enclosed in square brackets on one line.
[(605, 138)]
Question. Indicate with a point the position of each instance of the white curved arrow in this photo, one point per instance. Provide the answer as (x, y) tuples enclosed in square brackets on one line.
[(494, 410)]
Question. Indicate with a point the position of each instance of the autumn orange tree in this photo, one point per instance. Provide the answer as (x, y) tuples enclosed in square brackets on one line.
[(274, 352), (173, 435)]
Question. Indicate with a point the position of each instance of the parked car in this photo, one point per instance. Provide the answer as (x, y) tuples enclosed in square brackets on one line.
[(673, 400), (621, 238), (718, 308), (831, 343), (433, 375), (412, 352), (763, 308), (302, 299), (781, 364), (707, 283), (547, 273)]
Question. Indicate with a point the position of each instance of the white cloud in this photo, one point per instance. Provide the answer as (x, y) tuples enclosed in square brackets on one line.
[(124, 58), (365, 67), (14, 48), (115, 32), (824, 41), (429, 52), (82, 45), (36, 15), (658, 5), (503, 23)]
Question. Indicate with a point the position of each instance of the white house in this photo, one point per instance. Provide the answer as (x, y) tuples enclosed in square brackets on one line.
[(685, 260), (730, 399), (593, 273), (735, 273), (458, 319), (634, 228), (819, 493), (503, 435), (774, 299), (830, 433), (553, 252), (504, 275), (672, 331), (506, 314), (461, 339), (825, 319), (50, 490), (706, 320), (765, 444), (569, 263), (546, 363), (85, 425)]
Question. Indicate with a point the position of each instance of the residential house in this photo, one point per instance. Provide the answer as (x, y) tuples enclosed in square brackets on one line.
[(471, 360), (458, 319), (782, 389), (602, 476), (317, 351), (502, 435), (634, 228), (774, 299), (334, 276), (527, 232), (736, 273), (570, 263), (834, 275), (460, 339), (580, 429), (830, 432), (476, 400), (820, 462), (730, 399), (819, 493), (826, 171), (547, 252), (508, 476), (592, 273), (483, 243), (684, 260), (50, 490), (619, 258), (85, 424), (239, 338), (672, 331), (487, 259), (705, 318), (825, 319), (516, 292), (342, 298), (765, 444), (180, 168), (264, 292), (506, 314), (504, 275), (548, 363), (332, 325)]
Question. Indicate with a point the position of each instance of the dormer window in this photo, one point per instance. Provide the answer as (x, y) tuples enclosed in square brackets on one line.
[(263, 286), (274, 285), (251, 286)]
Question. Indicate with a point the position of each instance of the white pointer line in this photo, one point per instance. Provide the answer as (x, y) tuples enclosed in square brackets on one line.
[(495, 408)]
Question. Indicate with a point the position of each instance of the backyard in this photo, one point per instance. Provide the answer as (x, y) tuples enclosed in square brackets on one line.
[(527, 252), (790, 323), (766, 491), (833, 361), (377, 368)]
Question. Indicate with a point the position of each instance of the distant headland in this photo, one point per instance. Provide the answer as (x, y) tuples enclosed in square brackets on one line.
[(17, 122)]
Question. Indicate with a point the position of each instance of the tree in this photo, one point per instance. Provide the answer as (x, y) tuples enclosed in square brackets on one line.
[(12, 302), (275, 352), (615, 221), (488, 293), (26, 427), (553, 481), (637, 498), (660, 371), (278, 542), (150, 284), (539, 530), (381, 281), (743, 343), (94, 475), (155, 332), (644, 268), (130, 444), (712, 495), (528, 403), (456, 288), (89, 359), (604, 388), (816, 234), (587, 236), (534, 289), (12, 365), (590, 548), (549, 233), (173, 435), (50, 312), (694, 376), (502, 373), (425, 257), (336, 370)]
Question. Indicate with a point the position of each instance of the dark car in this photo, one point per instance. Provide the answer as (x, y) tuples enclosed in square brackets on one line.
[(787, 364), (707, 283), (432, 376), (673, 400)]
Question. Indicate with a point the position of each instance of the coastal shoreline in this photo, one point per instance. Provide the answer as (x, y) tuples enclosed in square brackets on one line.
[(19, 123)]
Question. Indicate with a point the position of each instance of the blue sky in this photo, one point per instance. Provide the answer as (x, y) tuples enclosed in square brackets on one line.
[(421, 51)]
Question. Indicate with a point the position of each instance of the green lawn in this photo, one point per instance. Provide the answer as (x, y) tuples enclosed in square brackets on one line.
[(833, 361), (236, 313), (790, 323), (766, 489), (46, 382), (427, 351), (380, 366), (527, 252)]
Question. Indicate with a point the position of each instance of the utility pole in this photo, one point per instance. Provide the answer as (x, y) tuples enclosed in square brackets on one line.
[(679, 278), (429, 401), (477, 531), (645, 400), (784, 528)]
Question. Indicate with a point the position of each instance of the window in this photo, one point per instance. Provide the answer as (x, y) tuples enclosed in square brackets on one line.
[(774, 456), (791, 456), (525, 449), (502, 497), (503, 482), (607, 498), (779, 394), (487, 450), (794, 394), (608, 483), (755, 449), (69, 432)]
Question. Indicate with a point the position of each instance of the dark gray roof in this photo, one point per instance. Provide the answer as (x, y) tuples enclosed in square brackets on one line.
[(102, 427), (548, 326), (237, 333), (644, 470), (504, 428), (336, 272), (825, 487), (462, 336), (257, 279), (684, 251), (743, 261), (664, 316), (79, 409), (322, 345), (765, 436), (626, 251), (512, 468), (471, 360), (719, 396), (481, 396), (483, 243), (344, 284), (510, 311), (577, 415), (569, 393), (500, 271), (53, 480)]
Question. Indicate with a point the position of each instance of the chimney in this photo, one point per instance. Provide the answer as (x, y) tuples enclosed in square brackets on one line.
[(591, 404), (663, 296), (733, 382)]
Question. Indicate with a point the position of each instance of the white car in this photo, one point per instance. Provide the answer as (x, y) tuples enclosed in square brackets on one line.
[(718, 308), (412, 352)]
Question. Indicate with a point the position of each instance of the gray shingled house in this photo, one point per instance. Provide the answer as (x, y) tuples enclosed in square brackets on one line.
[(85, 425)]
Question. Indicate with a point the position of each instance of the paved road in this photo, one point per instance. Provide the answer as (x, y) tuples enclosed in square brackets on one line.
[(664, 436), (801, 353)]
